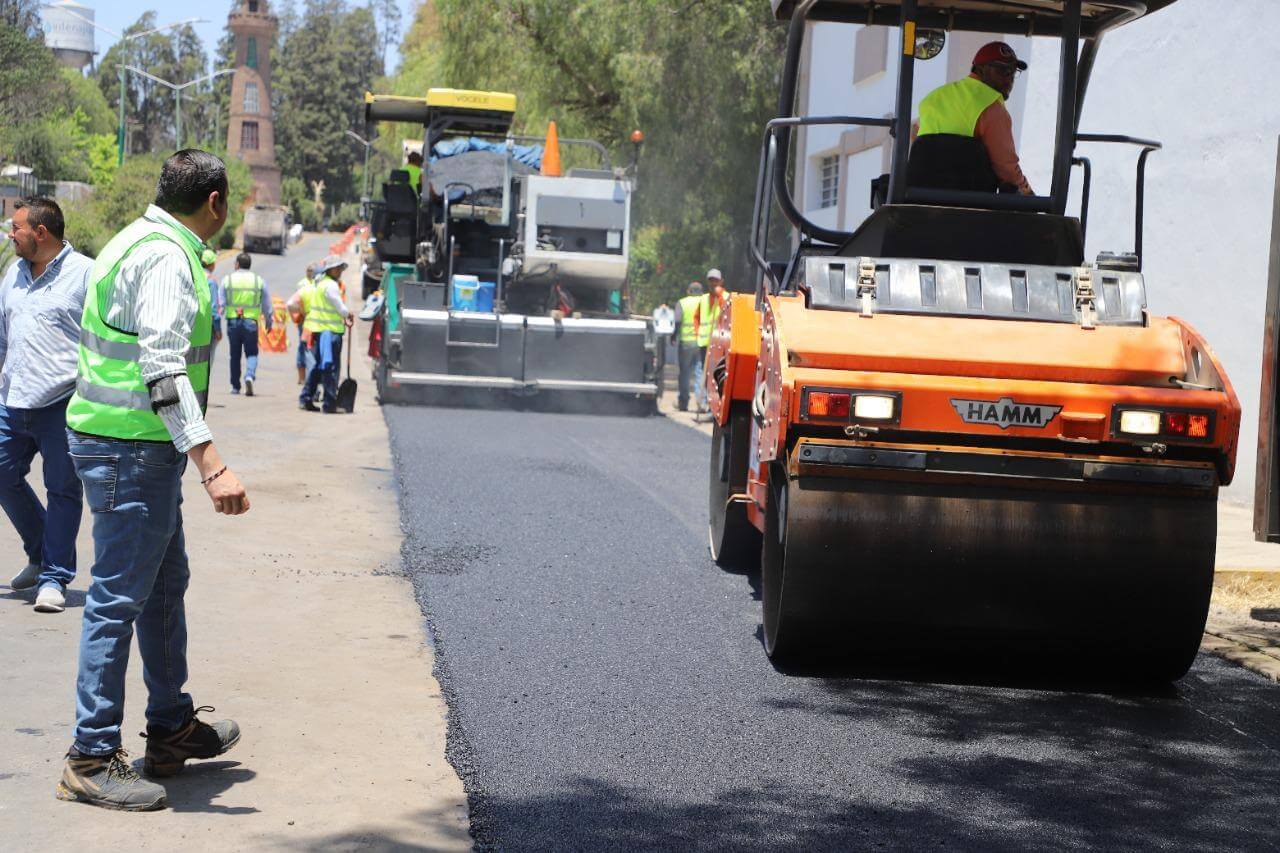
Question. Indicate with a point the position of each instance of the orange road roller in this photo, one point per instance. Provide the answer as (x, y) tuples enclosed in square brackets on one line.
[(947, 431)]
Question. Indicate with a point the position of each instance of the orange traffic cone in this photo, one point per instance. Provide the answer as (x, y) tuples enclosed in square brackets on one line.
[(551, 153)]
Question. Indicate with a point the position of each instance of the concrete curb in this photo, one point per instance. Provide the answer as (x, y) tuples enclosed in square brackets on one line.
[(1243, 651)]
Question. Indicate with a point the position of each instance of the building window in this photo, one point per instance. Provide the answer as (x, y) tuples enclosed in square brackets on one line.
[(870, 53), (253, 5), (829, 170), (251, 98), (251, 53), (249, 136)]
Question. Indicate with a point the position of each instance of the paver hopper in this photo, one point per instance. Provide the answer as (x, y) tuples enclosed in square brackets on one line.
[(947, 431)]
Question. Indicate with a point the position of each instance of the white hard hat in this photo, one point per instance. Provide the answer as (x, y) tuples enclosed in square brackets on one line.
[(714, 273), (330, 262)]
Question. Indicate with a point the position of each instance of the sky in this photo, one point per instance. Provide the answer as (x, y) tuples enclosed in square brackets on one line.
[(116, 15)]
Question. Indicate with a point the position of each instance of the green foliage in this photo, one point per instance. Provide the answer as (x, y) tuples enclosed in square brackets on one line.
[(325, 65), (700, 78), (27, 69), (292, 193), (81, 93), (309, 216), (344, 216), (124, 198)]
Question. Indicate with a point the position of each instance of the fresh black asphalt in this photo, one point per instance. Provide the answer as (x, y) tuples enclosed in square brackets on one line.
[(607, 687)]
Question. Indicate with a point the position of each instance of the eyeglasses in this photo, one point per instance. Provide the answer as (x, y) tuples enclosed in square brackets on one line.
[(1005, 70)]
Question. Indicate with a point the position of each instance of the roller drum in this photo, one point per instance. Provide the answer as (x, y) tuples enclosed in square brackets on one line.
[(867, 569)]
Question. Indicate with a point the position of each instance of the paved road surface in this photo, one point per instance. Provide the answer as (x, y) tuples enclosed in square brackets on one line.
[(608, 689)]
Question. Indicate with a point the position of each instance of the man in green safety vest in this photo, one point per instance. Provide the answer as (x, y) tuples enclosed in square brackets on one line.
[(692, 334), (954, 115), (326, 318), (247, 302), (135, 419)]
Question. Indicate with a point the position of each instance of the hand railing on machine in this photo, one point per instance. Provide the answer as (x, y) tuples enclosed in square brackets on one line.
[(760, 215), (1147, 146)]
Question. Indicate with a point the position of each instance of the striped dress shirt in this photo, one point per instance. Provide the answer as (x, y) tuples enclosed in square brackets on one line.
[(40, 330), (155, 298)]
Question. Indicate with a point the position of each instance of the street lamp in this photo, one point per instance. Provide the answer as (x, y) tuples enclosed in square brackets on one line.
[(367, 145), (177, 91), (120, 69)]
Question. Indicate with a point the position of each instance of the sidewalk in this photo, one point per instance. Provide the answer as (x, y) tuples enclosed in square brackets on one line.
[(301, 628)]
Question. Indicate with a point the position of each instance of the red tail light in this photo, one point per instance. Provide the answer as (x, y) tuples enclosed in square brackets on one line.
[(826, 404)]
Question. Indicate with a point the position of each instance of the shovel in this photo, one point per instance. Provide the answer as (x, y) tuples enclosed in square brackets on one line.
[(347, 390)]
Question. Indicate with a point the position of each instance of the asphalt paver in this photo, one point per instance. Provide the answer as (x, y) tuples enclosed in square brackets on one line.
[(608, 689)]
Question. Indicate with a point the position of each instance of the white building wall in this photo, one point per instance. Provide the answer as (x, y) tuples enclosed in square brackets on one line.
[(1192, 78)]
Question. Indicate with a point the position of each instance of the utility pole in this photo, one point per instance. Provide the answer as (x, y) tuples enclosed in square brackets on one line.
[(177, 90), (367, 145), (120, 130)]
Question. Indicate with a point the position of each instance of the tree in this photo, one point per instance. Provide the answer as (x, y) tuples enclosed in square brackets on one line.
[(325, 66), (27, 68), (387, 14), (23, 16), (177, 57)]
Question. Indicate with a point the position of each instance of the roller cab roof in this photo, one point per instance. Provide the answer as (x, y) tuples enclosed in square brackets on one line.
[(1011, 17)]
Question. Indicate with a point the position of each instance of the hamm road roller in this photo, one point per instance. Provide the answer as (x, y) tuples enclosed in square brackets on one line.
[(947, 431)]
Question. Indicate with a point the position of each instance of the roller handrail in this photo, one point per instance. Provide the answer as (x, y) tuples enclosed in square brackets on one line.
[(1140, 191), (770, 147)]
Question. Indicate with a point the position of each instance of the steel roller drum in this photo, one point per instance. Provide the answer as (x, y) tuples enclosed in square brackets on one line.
[(867, 570)]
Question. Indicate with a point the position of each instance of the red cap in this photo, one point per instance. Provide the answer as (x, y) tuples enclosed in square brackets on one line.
[(998, 51)]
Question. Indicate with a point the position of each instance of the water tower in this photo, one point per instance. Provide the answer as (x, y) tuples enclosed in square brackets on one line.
[(250, 132), (67, 32)]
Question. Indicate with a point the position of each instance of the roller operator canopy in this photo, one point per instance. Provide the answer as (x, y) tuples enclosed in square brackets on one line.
[(1012, 17), (461, 110)]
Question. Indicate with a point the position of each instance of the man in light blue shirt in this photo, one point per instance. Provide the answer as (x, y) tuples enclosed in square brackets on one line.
[(208, 260), (41, 300)]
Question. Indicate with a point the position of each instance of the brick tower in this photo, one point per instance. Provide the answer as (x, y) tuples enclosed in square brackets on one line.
[(250, 134)]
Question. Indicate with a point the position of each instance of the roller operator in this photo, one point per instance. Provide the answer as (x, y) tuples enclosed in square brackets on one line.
[(954, 116)]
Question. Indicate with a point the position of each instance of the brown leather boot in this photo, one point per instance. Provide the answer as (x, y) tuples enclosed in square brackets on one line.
[(168, 751)]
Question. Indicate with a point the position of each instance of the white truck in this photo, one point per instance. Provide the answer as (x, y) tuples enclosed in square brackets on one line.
[(266, 229)]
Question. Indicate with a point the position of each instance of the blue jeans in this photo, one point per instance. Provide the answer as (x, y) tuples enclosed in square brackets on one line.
[(242, 334), (328, 377), (138, 579), (49, 538), (302, 348)]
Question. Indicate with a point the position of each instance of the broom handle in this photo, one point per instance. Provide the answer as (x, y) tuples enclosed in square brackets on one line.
[(350, 334)]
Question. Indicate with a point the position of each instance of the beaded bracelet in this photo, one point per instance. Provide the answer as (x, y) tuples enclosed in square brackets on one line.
[(213, 477)]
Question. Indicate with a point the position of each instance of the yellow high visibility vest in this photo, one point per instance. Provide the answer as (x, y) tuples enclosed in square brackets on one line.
[(699, 307), (321, 315), (956, 107)]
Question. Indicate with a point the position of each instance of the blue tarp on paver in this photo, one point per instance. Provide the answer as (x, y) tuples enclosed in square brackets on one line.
[(529, 155)]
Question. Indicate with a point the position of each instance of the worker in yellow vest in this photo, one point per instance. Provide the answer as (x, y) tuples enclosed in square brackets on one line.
[(691, 336), (719, 298), (135, 421), (246, 302), (944, 155), (325, 319), (414, 168)]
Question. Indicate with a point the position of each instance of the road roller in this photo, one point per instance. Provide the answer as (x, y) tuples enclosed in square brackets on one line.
[(948, 432)]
